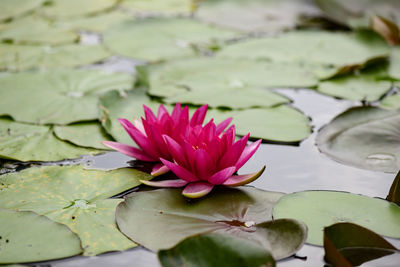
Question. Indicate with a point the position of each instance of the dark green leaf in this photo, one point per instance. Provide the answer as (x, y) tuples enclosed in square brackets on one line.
[(394, 193)]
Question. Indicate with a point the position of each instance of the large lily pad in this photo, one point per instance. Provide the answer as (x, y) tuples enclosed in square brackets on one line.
[(157, 39), (197, 74), (58, 97), (342, 50), (24, 57), (39, 31), (75, 197), (255, 15), (215, 250), (394, 67), (146, 216), (27, 142), (12, 8), (86, 134), (74, 8), (28, 237), (364, 137), (169, 7), (319, 209), (391, 102)]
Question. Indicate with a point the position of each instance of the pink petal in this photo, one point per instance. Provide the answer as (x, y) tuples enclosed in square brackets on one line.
[(139, 125), (176, 112), (203, 164), (233, 153), (248, 152), (238, 180), (221, 176), (155, 136), (148, 113), (162, 111), (176, 151), (180, 171), (159, 169), (222, 126), (165, 183), (196, 190), (199, 115), (128, 150)]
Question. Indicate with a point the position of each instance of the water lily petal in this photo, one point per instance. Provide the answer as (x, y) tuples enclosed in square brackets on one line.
[(155, 136), (165, 183), (221, 176), (139, 125), (222, 126), (179, 171), (238, 180), (233, 153), (162, 111), (199, 115), (204, 166), (176, 151), (198, 189), (149, 115), (159, 169), (248, 152), (129, 150)]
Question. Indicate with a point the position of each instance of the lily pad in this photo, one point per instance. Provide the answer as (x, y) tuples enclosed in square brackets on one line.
[(256, 15), (197, 74), (27, 142), (24, 57), (364, 137), (12, 8), (279, 124), (75, 197), (243, 212), (394, 193), (28, 237), (168, 7), (318, 209), (75, 8), (39, 32), (366, 86), (215, 250), (391, 102), (86, 134), (157, 39), (58, 97), (394, 67), (342, 50)]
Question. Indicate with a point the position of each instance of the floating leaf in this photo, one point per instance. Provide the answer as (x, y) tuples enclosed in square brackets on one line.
[(28, 237), (319, 209), (391, 102), (197, 74), (58, 97), (75, 8), (39, 32), (27, 142), (12, 8), (364, 137), (24, 57), (394, 193), (215, 250), (157, 39), (243, 212), (255, 15), (86, 134), (169, 7), (394, 67), (348, 244), (75, 197), (341, 50)]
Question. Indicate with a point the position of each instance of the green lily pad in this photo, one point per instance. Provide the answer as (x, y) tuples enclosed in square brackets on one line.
[(12, 8), (39, 32), (86, 134), (235, 98), (364, 137), (280, 124), (58, 97), (255, 15), (75, 197), (215, 250), (168, 7), (342, 50), (391, 102), (394, 67), (98, 23), (197, 74), (394, 193), (28, 237), (242, 212), (27, 142), (76, 8), (318, 209), (23, 57), (157, 39), (348, 244), (363, 86)]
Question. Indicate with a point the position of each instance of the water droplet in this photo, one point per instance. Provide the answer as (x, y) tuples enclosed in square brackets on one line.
[(75, 94), (249, 224), (380, 159)]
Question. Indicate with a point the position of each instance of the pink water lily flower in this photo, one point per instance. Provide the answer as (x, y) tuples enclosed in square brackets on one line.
[(148, 133), (206, 158)]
